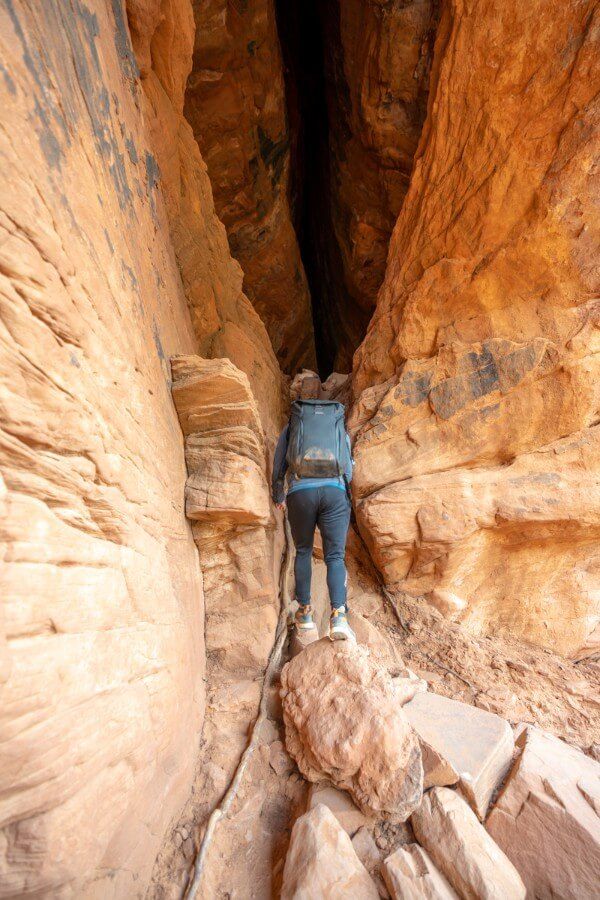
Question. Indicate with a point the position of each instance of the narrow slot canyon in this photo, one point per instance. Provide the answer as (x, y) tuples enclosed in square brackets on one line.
[(300, 32), (201, 201)]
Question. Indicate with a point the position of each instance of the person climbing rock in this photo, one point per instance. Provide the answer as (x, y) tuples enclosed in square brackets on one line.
[(314, 452)]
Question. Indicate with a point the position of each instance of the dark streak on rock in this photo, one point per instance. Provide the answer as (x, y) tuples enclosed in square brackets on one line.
[(129, 66), (46, 109), (273, 154), (152, 177), (8, 80), (157, 341), (133, 156), (413, 388)]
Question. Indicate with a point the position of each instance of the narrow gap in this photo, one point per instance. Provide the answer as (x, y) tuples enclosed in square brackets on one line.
[(300, 25)]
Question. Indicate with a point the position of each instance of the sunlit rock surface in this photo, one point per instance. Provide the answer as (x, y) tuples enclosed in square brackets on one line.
[(478, 385), (109, 242)]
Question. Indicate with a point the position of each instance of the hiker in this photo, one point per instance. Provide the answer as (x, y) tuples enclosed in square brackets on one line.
[(314, 450)]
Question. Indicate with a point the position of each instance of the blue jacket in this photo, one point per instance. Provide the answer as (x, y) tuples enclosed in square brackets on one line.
[(280, 467)]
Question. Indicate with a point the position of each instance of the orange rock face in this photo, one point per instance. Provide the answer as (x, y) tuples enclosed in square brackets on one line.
[(477, 385), (379, 56), (112, 260), (235, 102)]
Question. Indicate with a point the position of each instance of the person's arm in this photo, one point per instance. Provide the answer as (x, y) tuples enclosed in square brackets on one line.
[(350, 461), (279, 468)]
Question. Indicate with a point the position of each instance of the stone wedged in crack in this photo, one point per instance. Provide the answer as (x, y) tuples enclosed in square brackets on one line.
[(321, 861), (343, 721)]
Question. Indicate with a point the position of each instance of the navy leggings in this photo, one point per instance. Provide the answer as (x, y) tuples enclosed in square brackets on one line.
[(329, 508)]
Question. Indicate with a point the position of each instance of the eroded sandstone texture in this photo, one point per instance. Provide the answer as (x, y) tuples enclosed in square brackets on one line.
[(109, 240), (377, 58), (227, 500), (478, 385), (235, 102)]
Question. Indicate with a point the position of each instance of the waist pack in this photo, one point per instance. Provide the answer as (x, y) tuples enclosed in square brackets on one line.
[(317, 446)]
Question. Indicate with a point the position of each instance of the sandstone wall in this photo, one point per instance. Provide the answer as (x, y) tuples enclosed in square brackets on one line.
[(377, 58), (478, 383), (236, 105), (228, 502), (107, 224)]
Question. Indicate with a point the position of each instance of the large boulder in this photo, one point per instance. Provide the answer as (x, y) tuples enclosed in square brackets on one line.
[(321, 861), (547, 821), (475, 744), (343, 721), (463, 850)]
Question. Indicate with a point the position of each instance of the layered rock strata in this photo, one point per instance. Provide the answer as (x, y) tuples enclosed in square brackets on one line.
[(477, 385), (113, 259), (102, 655), (227, 500), (235, 103)]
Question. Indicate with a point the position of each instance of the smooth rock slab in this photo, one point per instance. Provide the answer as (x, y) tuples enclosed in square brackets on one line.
[(410, 874), (546, 818), (476, 744), (321, 861), (343, 722), (462, 849)]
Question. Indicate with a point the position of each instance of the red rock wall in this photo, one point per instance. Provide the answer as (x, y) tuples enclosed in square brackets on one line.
[(112, 260), (235, 102), (477, 385), (377, 58)]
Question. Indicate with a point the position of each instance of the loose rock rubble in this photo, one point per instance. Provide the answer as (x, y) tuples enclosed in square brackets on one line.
[(547, 818), (332, 696), (411, 875), (321, 861)]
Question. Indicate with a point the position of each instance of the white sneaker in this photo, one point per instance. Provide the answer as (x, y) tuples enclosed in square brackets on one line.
[(339, 628)]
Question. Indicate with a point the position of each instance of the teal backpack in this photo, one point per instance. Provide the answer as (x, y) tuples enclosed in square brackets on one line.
[(317, 445)]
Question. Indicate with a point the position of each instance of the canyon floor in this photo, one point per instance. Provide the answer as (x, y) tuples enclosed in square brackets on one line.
[(519, 682)]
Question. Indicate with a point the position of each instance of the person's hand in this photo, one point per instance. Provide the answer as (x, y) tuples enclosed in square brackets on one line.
[(281, 505)]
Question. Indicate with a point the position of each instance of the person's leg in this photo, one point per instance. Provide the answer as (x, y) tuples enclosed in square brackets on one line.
[(302, 509), (333, 520)]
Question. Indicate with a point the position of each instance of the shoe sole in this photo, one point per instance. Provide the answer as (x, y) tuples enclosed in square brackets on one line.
[(339, 635)]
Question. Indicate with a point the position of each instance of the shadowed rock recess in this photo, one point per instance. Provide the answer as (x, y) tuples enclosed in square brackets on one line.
[(200, 199)]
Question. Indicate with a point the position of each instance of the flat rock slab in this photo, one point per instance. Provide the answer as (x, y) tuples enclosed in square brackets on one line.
[(410, 874), (546, 818), (321, 861), (477, 745), (462, 849)]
